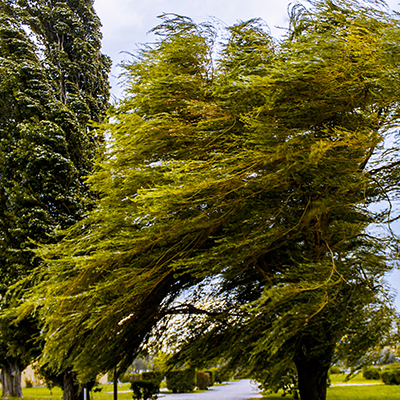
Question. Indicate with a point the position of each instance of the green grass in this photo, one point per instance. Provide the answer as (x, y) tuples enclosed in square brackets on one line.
[(351, 392), (106, 393), (347, 392), (43, 393), (375, 392), (340, 378), (379, 392)]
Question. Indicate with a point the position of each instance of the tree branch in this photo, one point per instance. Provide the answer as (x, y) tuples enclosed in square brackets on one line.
[(389, 166), (190, 309)]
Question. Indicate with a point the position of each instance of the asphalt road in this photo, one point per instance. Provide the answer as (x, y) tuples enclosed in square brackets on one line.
[(240, 390)]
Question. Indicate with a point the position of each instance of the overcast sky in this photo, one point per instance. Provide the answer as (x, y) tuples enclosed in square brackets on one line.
[(126, 23)]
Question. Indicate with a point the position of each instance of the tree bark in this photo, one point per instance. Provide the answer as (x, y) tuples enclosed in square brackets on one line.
[(72, 390), (11, 379), (312, 366), (115, 384)]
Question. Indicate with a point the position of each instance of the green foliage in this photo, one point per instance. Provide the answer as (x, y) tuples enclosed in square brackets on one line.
[(203, 380), (153, 376), (145, 389), (371, 373), (160, 362), (46, 149), (335, 370), (221, 375), (391, 375), (181, 381), (243, 182), (211, 374), (70, 38), (124, 378), (28, 383), (287, 382)]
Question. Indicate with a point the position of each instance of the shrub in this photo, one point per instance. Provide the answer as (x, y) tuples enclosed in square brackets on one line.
[(371, 373), (145, 390), (211, 374), (28, 383), (152, 376), (391, 375), (335, 370), (125, 378), (203, 380), (182, 381)]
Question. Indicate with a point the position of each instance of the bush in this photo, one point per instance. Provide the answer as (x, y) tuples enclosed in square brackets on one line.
[(391, 375), (203, 380), (371, 373), (125, 378), (211, 374), (334, 370), (152, 376), (181, 381), (28, 383), (145, 390)]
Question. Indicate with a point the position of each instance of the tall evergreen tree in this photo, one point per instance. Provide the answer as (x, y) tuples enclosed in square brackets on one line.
[(46, 146), (244, 184)]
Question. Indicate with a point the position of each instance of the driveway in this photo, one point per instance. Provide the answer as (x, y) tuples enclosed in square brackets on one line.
[(240, 390)]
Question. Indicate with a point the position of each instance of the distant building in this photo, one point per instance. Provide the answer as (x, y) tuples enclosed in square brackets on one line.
[(29, 374)]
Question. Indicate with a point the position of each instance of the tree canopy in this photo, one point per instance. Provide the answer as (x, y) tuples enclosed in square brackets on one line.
[(236, 191)]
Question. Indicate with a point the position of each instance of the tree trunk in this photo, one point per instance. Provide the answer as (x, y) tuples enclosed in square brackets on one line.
[(11, 379), (115, 384), (71, 388), (312, 366)]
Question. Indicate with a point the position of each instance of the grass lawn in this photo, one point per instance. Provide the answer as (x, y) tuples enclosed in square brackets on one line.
[(351, 391), (376, 392), (106, 393), (124, 393), (347, 392)]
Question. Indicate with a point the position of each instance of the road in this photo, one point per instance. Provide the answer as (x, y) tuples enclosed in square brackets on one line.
[(240, 390)]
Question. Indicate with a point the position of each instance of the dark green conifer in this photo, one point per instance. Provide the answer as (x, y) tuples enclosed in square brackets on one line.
[(48, 96)]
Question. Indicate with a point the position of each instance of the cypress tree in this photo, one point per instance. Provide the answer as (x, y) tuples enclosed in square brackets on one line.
[(50, 90)]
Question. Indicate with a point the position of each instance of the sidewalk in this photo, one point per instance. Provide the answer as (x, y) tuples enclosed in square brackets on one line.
[(240, 390)]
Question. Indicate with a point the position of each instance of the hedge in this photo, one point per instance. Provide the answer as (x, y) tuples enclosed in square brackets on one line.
[(153, 375), (371, 373), (211, 373), (145, 390), (203, 380), (182, 381), (391, 375)]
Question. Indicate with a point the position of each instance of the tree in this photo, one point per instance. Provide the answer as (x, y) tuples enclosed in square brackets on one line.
[(45, 154), (68, 33), (239, 187)]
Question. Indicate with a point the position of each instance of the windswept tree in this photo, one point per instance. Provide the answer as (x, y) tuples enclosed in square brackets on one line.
[(236, 194), (46, 150)]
